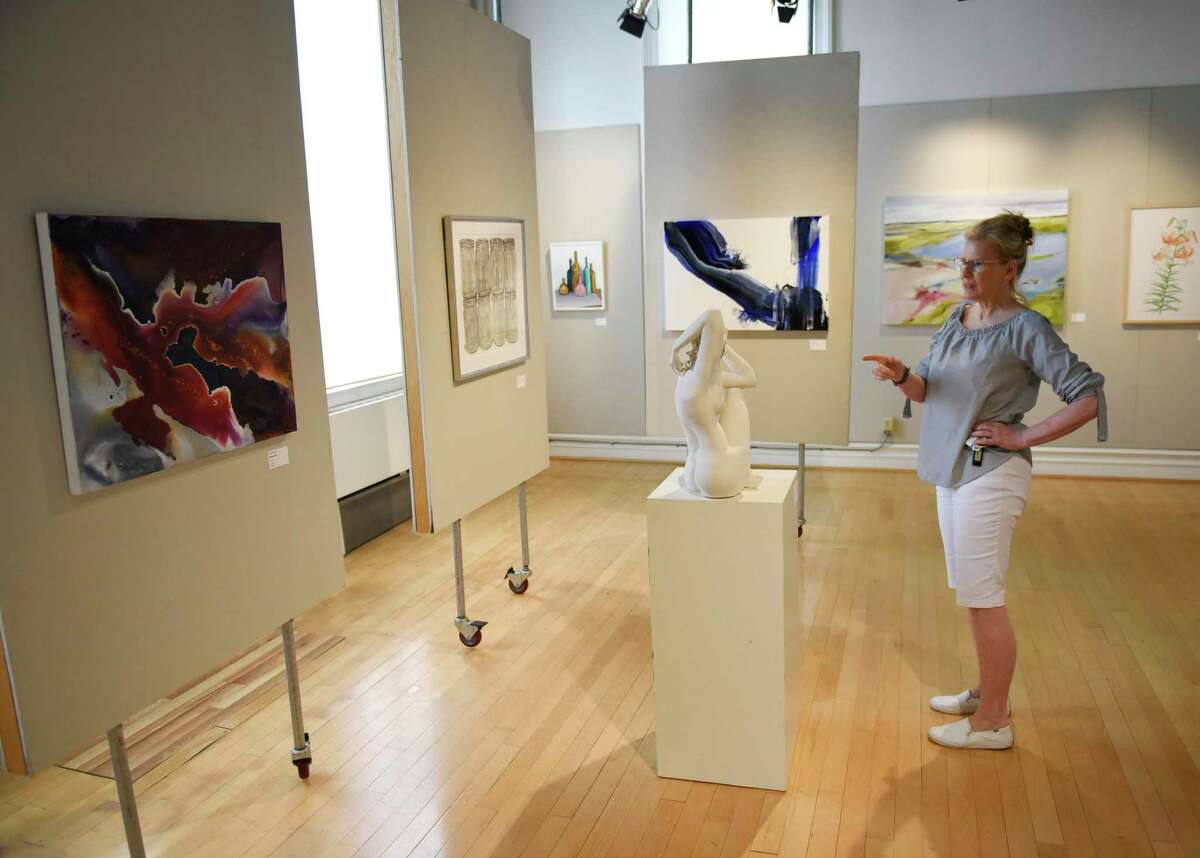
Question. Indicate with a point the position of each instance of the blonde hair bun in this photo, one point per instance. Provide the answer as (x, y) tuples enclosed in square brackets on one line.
[(1013, 235)]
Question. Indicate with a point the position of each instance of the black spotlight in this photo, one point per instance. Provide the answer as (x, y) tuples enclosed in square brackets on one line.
[(633, 19), (786, 9)]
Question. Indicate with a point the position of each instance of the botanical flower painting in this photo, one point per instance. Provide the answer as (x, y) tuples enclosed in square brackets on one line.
[(1164, 276)]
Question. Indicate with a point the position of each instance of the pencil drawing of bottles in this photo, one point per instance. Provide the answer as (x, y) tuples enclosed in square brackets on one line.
[(498, 291), (466, 253), (483, 288), (510, 289)]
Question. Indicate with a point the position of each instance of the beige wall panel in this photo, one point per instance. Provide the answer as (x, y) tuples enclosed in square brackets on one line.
[(1168, 384), (908, 149), (1093, 144), (1100, 146), (114, 599), (761, 138), (590, 188), (470, 149)]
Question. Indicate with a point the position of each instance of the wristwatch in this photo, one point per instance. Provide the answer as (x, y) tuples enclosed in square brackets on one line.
[(903, 378)]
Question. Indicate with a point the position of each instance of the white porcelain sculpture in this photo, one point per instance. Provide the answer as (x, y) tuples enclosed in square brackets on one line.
[(712, 409)]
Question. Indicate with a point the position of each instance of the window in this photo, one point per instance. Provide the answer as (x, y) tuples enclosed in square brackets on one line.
[(705, 31), (349, 190), (744, 30)]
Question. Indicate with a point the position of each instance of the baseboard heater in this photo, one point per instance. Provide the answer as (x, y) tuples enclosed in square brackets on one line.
[(374, 510)]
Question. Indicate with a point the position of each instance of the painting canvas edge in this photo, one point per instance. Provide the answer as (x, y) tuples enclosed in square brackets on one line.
[(58, 353)]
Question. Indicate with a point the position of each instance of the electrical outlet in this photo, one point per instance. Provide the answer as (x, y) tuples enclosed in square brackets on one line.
[(889, 426)]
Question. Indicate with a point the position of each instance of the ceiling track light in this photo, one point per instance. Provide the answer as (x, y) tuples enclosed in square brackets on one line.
[(786, 9), (633, 19)]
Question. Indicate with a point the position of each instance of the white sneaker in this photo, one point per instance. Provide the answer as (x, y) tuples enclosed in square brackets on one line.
[(958, 704), (958, 734)]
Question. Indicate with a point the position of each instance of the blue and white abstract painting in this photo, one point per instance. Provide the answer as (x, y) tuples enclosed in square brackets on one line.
[(763, 274)]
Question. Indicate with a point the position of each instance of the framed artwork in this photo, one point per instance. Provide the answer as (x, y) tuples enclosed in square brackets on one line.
[(923, 236), (486, 288), (1163, 286), (169, 340), (763, 274), (577, 280)]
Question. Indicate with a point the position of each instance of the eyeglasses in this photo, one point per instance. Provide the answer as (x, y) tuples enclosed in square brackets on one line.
[(969, 265)]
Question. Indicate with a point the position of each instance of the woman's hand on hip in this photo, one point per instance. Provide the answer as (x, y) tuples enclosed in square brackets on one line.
[(993, 434), (887, 367)]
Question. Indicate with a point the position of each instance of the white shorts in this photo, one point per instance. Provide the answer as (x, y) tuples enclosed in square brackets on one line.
[(977, 522)]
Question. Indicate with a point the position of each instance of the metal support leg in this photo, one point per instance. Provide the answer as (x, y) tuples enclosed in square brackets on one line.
[(470, 632), (800, 494), (301, 748), (518, 579), (129, 811)]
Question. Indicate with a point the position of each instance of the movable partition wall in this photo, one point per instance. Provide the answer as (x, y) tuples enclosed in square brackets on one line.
[(758, 139), (461, 129), (113, 599)]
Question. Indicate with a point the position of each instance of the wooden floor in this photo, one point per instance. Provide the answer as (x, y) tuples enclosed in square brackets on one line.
[(541, 741)]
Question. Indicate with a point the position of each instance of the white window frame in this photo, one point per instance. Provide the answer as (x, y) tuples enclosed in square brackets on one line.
[(821, 24)]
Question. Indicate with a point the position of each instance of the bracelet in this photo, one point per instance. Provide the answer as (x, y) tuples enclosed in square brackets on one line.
[(903, 378)]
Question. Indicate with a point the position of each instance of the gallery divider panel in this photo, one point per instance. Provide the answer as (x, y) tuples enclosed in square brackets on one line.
[(590, 189), (465, 151), (113, 599), (761, 139)]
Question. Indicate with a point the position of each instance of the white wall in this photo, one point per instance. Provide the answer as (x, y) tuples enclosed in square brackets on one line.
[(585, 70), (939, 50)]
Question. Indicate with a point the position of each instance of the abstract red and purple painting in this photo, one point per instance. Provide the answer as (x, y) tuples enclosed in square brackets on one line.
[(169, 338)]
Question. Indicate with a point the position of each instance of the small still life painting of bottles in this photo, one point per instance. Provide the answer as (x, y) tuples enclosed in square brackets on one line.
[(577, 276), (1164, 266)]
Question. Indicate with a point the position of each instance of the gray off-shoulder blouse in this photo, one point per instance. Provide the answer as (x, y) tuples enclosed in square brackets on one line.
[(992, 373)]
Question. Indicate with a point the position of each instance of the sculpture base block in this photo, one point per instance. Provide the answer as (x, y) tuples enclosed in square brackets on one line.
[(725, 626)]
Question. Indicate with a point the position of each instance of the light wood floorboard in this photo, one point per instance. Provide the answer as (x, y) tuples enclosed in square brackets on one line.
[(541, 741)]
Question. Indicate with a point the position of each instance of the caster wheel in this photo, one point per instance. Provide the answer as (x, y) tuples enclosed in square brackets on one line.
[(302, 770), (799, 531), (519, 588), (471, 642)]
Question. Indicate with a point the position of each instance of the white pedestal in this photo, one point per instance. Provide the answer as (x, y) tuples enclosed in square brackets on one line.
[(725, 622)]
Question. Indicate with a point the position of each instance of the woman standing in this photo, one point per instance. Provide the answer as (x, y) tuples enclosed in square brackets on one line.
[(980, 377)]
